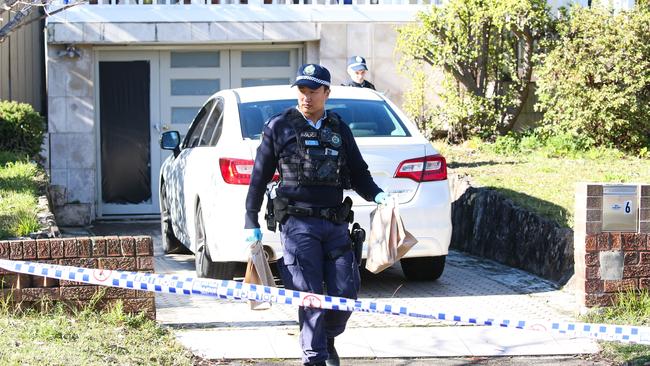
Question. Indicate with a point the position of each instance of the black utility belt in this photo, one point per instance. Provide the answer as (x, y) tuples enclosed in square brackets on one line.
[(334, 214), (339, 215)]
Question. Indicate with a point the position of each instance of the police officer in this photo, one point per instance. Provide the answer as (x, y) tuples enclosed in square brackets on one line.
[(357, 70), (317, 157)]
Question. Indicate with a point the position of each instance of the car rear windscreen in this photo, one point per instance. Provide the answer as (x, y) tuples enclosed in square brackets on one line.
[(366, 118)]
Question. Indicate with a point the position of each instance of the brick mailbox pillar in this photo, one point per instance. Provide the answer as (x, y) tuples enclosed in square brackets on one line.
[(608, 261)]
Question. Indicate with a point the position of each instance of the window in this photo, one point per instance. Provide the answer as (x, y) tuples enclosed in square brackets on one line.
[(266, 58), (183, 115), (195, 59), (253, 115), (265, 81), (366, 118), (195, 86), (194, 134), (213, 126)]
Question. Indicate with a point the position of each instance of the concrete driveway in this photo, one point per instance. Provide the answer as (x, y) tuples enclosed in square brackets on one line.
[(226, 330)]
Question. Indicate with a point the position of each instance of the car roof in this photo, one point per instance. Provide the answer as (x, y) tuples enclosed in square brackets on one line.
[(279, 92)]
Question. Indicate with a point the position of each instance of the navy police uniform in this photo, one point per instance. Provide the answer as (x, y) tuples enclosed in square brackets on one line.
[(365, 84), (356, 63), (315, 166)]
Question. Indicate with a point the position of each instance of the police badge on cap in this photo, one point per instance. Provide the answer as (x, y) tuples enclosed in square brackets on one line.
[(312, 76), (309, 70)]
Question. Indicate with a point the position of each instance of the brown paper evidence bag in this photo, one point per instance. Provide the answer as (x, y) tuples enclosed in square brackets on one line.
[(258, 272), (388, 240)]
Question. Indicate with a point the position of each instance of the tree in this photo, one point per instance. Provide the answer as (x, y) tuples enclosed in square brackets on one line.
[(486, 50), (21, 10)]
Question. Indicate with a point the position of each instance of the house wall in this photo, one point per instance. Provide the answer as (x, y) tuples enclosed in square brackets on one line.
[(71, 151), (22, 64), (71, 147)]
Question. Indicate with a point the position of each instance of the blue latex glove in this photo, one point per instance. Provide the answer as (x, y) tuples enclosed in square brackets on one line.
[(381, 198), (253, 235)]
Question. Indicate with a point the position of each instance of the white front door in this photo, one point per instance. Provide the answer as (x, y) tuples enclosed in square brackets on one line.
[(127, 108)]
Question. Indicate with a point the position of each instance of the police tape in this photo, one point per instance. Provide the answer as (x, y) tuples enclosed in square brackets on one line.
[(233, 290)]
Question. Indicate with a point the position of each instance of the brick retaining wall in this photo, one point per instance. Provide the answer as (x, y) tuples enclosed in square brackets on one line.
[(128, 253), (609, 262)]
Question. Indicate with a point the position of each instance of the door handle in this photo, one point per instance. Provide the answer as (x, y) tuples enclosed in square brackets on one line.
[(165, 127)]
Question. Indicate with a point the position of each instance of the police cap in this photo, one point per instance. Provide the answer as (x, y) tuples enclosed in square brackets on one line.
[(312, 76), (357, 63)]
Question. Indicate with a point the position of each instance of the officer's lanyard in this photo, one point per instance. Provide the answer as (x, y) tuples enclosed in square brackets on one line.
[(318, 123)]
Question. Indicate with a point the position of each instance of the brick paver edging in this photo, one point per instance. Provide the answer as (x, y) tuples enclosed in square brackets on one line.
[(126, 253)]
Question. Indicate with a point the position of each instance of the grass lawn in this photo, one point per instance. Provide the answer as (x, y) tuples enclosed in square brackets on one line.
[(541, 184), (21, 182), (56, 337)]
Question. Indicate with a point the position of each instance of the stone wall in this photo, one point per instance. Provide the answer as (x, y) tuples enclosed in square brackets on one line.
[(488, 225), (128, 253), (609, 262)]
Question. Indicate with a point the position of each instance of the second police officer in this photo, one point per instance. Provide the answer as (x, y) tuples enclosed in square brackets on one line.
[(357, 70), (317, 158)]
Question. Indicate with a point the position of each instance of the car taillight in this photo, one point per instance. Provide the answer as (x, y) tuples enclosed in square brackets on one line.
[(425, 169), (238, 171)]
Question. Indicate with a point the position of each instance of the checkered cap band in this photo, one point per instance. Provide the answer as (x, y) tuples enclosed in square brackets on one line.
[(311, 78)]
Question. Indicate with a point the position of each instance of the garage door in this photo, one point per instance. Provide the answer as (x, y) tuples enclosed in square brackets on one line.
[(189, 77)]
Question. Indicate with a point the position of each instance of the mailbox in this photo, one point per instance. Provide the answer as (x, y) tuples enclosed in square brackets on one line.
[(620, 208)]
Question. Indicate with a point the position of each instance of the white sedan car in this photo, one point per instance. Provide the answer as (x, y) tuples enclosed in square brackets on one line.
[(203, 185)]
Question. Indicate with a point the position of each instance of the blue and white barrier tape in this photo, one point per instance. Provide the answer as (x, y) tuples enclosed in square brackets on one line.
[(233, 290)]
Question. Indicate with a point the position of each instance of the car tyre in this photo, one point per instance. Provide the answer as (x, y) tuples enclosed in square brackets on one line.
[(423, 268), (170, 242), (205, 267)]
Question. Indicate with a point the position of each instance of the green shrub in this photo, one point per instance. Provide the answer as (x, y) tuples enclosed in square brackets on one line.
[(26, 223), (21, 128), (596, 83)]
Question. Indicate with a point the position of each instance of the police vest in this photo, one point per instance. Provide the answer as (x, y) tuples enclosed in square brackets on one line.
[(319, 158)]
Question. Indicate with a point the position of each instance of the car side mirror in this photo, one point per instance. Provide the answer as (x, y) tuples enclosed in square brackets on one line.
[(171, 140)]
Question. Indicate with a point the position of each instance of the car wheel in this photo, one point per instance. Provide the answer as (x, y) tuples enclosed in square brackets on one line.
[(423, 268), (170, 242), (205, 267)]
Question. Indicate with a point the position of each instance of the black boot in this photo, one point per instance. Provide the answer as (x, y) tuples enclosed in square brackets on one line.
[(333, 358)]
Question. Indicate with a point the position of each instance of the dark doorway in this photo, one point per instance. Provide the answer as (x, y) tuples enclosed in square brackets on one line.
[(124, 101)]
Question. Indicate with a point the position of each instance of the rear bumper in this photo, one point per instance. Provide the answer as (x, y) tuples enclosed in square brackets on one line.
[(427, 216)]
